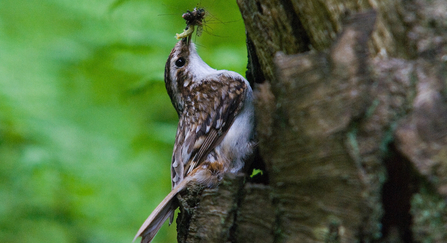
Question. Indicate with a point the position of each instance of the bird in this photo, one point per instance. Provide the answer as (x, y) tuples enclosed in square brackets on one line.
[(215, 129)]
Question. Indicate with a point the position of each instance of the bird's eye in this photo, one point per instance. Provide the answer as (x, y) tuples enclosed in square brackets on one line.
[(180, 62)]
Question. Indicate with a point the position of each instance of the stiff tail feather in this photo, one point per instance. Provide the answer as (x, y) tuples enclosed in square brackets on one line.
[(161, 213)]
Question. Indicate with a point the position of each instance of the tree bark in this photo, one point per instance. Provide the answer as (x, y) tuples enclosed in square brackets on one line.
[(351, 107)]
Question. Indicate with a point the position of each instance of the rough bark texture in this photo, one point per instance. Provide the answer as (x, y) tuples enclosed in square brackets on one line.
[(352, 125)]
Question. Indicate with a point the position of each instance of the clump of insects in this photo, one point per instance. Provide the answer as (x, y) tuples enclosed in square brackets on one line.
[(193, 18)]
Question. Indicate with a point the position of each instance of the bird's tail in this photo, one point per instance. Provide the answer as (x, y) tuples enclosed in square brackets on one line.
[(161, 213)]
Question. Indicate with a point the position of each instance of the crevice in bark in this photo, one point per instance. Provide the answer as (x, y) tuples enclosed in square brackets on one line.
[(233, 229), (258, 4), (298, 30), (258, 164), (397, 192), (254, 72)]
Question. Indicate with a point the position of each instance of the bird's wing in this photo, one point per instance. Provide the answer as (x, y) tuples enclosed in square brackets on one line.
[(210, 109)]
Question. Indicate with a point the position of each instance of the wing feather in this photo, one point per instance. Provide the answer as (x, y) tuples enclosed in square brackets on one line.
[(205, 123)]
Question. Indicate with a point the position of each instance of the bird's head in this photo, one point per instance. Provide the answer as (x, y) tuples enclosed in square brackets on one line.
[(183, 69)]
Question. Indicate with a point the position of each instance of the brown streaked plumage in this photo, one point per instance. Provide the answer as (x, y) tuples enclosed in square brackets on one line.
[(214, 131)]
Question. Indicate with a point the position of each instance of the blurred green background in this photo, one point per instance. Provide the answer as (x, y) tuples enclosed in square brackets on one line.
[(86, 126)]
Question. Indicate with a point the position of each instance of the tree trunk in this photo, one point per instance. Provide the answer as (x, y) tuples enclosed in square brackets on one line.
[(351, 105)]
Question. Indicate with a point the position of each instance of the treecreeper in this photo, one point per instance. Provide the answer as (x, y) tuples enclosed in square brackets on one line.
[(215, 129)]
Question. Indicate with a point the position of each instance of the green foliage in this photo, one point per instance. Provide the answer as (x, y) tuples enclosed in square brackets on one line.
[(86, 126)]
